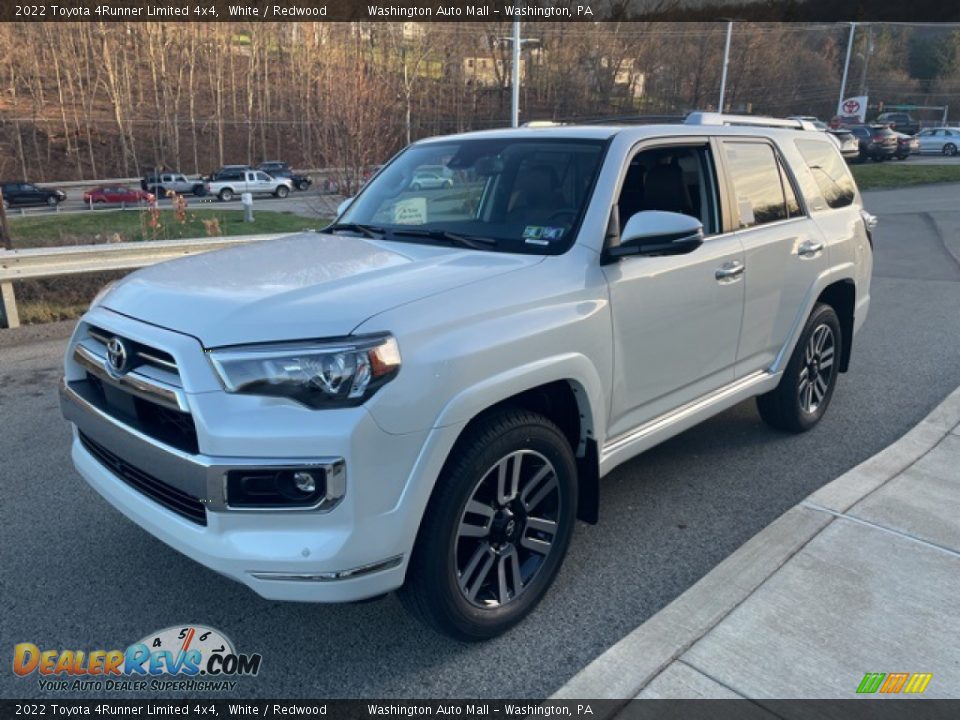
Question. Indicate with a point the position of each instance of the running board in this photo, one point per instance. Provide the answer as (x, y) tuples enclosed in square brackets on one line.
[(676, 421)]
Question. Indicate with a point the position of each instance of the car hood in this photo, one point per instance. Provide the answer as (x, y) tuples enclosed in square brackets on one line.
[(310, 285)]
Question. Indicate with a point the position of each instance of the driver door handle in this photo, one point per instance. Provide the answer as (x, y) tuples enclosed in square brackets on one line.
[(730, 271), (809, 248)]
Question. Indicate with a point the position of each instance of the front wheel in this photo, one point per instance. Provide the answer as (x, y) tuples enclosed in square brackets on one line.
[(497, 528), (807, 385), (282, 191), (949, 149), (52, 201)]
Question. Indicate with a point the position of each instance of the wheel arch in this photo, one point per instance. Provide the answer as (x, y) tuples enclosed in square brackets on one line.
[(570, 402), (842, 297)]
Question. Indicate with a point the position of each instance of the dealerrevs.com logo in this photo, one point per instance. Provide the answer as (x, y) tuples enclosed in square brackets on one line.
[(186, 657)]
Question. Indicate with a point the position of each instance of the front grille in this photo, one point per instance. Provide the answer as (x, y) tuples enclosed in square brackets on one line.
[(143, 355), (170, 427), (170, 497)]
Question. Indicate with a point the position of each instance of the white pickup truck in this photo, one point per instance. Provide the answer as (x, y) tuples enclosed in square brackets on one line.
[(227, 184), (424, 395)]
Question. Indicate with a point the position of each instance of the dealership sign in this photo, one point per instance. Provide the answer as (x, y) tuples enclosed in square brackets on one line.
[(854, 107)]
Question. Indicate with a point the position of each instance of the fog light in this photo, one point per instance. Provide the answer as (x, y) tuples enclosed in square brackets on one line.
[(305, 482)]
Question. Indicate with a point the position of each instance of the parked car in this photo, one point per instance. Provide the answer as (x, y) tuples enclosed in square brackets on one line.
[(907, 145), (429, 180), (847, 142), (877, 142), (229, 183), (17, 193), (425, 399), (117, 194), (227, 169), (942, 141), (279, 169), (161, 183), (899, 121)]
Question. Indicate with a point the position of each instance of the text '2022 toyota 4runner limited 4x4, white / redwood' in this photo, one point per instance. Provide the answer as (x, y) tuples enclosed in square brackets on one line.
[(424, 395)]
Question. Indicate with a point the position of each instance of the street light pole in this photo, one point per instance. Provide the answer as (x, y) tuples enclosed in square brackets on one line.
[(846, 69), (726, 64), (515, 75)]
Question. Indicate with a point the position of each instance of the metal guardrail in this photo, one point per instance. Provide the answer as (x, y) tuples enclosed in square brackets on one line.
[(35, 263)]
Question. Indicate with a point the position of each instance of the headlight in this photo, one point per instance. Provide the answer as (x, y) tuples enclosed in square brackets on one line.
[(326, 374)]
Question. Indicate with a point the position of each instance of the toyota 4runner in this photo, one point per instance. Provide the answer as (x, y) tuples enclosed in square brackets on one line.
[(424, 395)]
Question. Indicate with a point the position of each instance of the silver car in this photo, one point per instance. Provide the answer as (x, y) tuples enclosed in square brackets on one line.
[(942, 141)]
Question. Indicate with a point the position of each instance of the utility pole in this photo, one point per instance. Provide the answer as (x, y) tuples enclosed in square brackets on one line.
[(846, 69), (5, 240), (726, 65), (515, 74), (518, 44), (867, 52)]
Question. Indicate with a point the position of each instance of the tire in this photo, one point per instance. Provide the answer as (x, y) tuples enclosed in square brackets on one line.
[(226, 195), (303, 185), (796, 405), (949, 149), (159, 192), (6, 204), (199, 191), (415, 186), (500, 538), (281, 192), (52, 201)]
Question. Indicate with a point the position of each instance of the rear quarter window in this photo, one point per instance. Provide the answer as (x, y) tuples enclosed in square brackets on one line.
[(829, 171)]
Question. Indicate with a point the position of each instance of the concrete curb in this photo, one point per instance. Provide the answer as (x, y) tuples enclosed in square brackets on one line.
[(623, 670)]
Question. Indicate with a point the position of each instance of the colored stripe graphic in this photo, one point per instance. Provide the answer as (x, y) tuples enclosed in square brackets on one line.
[(894, 682), (871, 682), (918, 682)]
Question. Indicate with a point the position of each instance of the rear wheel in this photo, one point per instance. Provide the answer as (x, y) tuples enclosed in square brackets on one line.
[(52, 201), (807, 385), (282, 191), (226, 194), (496, 529), (303, 185)]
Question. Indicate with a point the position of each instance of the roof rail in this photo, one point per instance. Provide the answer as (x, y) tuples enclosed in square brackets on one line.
[(714, 118)]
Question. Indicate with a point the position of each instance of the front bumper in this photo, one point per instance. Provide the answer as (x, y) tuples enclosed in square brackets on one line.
[(281, 555)]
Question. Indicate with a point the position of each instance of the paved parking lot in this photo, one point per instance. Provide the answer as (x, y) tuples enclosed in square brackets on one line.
[(78, 575)]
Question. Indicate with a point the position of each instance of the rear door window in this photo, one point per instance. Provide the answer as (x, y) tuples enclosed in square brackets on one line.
[(755, 173), (829, 171)]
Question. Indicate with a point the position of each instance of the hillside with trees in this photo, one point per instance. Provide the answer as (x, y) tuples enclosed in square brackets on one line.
[(98, 100)]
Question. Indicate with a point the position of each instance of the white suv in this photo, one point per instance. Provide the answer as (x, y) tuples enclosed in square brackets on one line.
[(424, 395)]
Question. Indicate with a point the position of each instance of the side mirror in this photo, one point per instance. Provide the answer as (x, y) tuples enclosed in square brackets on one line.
[(657, 232), (342, 207)]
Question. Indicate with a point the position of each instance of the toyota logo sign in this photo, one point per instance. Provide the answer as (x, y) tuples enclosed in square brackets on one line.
[(852, 107), (117, 356)]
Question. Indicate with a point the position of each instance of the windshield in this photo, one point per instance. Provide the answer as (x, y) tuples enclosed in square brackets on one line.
[(516, 195)]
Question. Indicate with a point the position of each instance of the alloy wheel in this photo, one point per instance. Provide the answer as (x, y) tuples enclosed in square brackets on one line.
[(816, 370), (507, 529)]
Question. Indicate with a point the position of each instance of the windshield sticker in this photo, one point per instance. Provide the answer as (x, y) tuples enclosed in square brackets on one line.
[(410, 211), (552, 233), (532, 232)]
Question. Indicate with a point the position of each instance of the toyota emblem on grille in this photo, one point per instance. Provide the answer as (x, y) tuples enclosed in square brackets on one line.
[(117, 356)]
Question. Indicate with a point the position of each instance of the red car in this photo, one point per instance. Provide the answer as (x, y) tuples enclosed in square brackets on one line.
[(117, 194)]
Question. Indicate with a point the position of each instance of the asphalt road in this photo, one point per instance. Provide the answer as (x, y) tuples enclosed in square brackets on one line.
[(76, 574)]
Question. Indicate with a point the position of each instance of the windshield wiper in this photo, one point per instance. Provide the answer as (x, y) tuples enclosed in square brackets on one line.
[(371, 231), (474, 242)]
